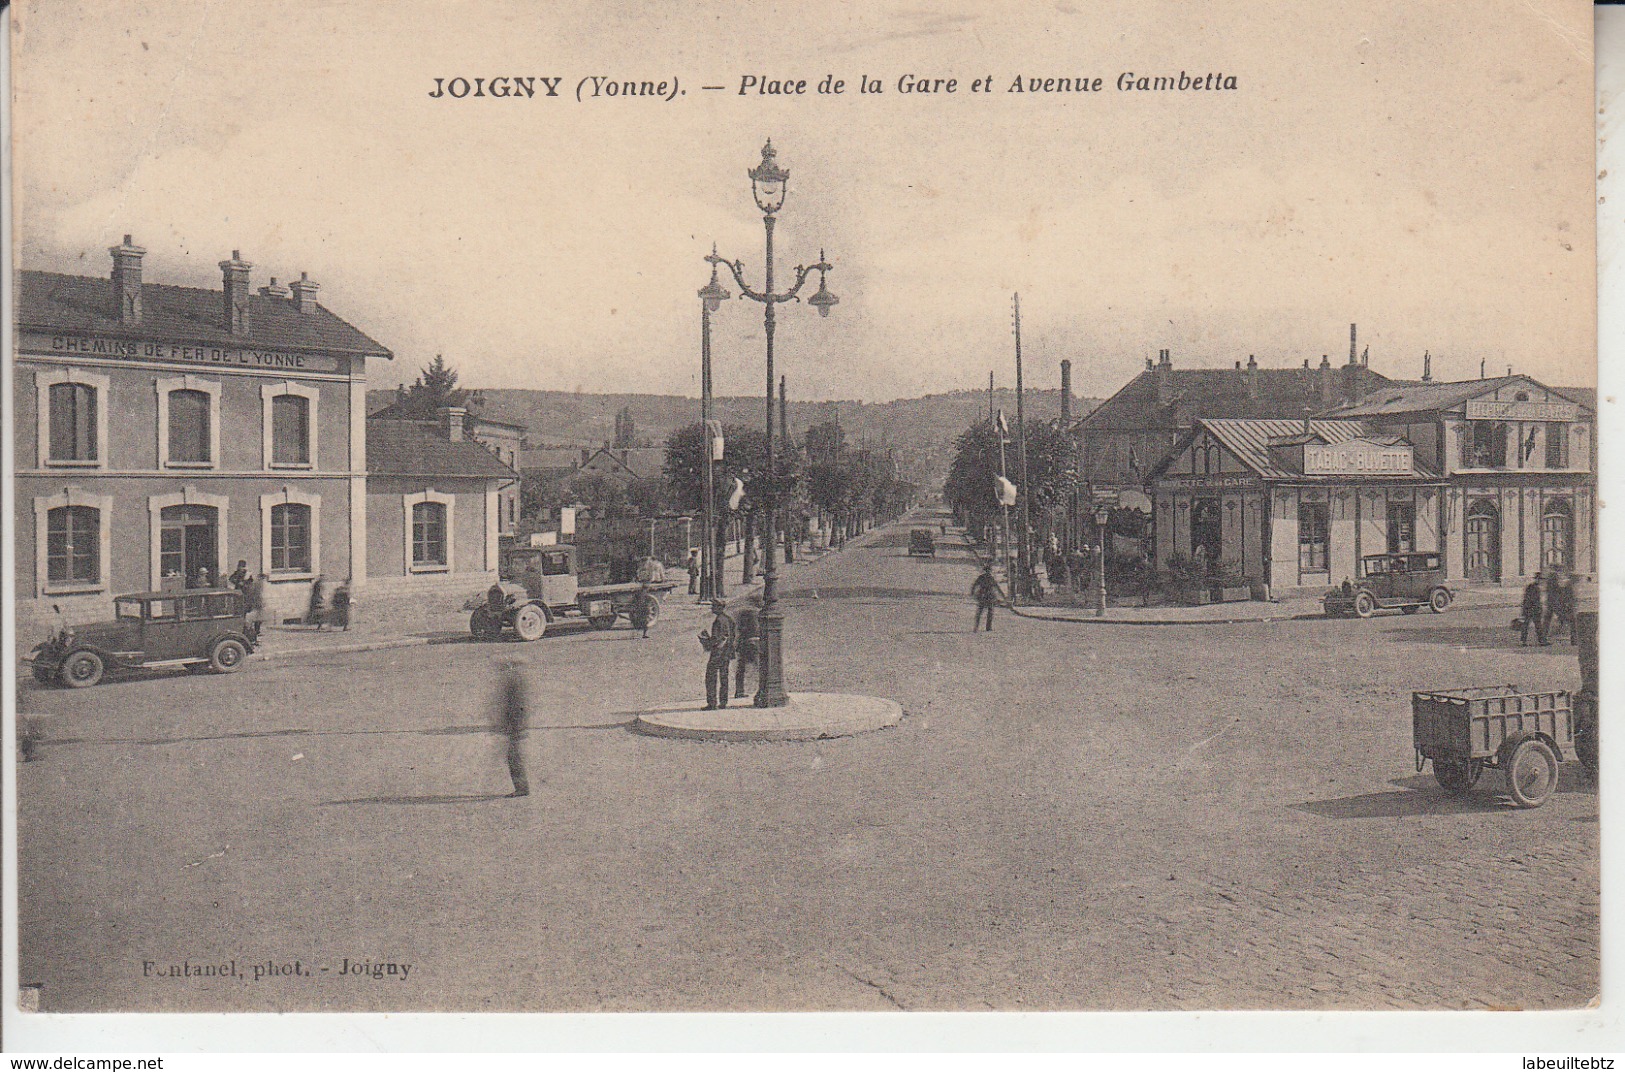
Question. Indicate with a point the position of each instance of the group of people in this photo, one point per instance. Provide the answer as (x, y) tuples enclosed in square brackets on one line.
[(730, 637), (1548, 608)]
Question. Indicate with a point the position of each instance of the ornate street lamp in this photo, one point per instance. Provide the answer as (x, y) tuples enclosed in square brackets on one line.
[(768, 184), (712, 295)]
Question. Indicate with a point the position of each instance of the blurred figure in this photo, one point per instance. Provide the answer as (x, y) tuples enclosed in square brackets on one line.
[(747, 644), (642, 609), (254, 596), (318, 603), (693, 571), (513, 720), (240, 578), (1560, 606), (1534, 611), (341, 606)]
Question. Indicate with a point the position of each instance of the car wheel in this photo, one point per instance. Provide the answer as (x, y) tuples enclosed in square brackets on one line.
[(1364, 605), (654, 609), (1438, 600), (82, 669), (529, 623), (484, 625), (227, 655)]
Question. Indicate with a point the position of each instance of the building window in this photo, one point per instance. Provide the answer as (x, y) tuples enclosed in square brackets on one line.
[(1401, 527), (1557, 446), (1314, 537), (1557, 535), (290, 538), (189, 428), (73, 422), (290, 430), (73, 536), (1485, 445), (428, 534)]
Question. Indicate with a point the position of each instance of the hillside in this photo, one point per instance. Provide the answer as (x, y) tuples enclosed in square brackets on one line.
[(920, 430)]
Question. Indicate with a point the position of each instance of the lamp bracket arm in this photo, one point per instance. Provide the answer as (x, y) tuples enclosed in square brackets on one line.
[(738, 270)]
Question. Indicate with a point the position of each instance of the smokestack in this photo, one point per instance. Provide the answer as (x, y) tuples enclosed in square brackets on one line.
[(1354, 357), (1427, 367), (1251, 376), (127, 280), (1066, 393), (1165, 377), (304, 293), (234, 277), (1328, 382)]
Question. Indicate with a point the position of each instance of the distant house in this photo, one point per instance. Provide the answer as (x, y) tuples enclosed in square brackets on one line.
[(433, 506), (624, 464), (1128, 434), (503, 438)]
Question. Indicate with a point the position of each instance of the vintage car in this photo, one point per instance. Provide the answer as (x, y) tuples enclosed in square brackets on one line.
[(197, 629), (1408, 581), (921, 542)]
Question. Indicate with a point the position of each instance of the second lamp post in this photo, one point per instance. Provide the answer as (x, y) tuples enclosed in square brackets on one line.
[(767, 184)]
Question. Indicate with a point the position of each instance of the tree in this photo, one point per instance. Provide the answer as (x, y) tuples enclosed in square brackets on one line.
[(1051, 469), (435, 388), (825, 442)]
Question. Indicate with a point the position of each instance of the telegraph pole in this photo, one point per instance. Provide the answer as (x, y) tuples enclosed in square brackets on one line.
[(1022, 551)]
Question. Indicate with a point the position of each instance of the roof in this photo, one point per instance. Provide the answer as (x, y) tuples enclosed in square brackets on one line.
[(47, 301), (412, 448), (1221, 393), (559, 458), (1399, 398), (639, 462), (1250, 441), (476, 415)]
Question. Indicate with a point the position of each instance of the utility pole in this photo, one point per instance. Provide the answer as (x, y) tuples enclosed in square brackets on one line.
[(1022, 551), (990, 397), (784, 432)]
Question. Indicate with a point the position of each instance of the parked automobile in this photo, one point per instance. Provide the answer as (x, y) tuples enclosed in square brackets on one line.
[(1407, 581), (539, 585), (921, 542), (196, 629)]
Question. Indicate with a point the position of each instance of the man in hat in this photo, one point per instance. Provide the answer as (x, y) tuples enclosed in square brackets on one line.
[(1534, 610), (718, 642), (986, 591)]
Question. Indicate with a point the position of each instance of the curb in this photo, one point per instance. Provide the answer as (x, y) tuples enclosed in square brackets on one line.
[(1274, 618), (809, 716), (339, 649)]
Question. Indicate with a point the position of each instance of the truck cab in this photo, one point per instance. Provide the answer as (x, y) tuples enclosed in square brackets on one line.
[(547, 574)]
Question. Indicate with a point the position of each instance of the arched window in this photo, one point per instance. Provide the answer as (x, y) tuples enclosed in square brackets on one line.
[(428, 534), (189, 432), (290, 538), (73, 545), (1557, 535), (73, 422), (290, 430)]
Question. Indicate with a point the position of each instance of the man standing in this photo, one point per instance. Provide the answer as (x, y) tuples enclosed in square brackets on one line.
[(747, 632), (513, 720), (1560, 606), (642, 610), (1534, 611), (693, 571), (240, 577), (986, 591), (718, 641)]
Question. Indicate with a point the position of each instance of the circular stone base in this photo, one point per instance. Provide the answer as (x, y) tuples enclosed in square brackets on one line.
[(809, 716)]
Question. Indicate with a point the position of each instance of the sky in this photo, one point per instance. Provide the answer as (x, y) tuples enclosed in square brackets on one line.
[(1429, 178)]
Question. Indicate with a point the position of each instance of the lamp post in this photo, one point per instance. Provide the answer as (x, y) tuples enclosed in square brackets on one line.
[(712, 295), (767, 185)]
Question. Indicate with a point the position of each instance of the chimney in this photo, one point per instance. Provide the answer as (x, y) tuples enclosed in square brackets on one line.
[(451, 422), (1066, 393), (1354, 357), (127, 280), (1252, 377), (1427, 367), (1328, 382), (275, 290), (304, 293), (1165, 378), (234, 274)]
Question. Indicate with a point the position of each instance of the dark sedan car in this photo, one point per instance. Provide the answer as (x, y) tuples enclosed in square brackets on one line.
[(198, 629), (1408, 581)]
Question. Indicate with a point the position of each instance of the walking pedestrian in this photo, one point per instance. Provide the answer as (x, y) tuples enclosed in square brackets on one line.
[(340, 605), (642, 609), (513, 719), (986, 591), (1560, 606), (718, 642), (314, 610), (693, 571), (254, 596), (1534, 611), (747, 645)]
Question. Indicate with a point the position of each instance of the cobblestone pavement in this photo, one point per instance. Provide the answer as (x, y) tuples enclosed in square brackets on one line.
[(1178, 818)]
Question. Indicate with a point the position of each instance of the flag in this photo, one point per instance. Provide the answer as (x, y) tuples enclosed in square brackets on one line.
[(1004, 429), (1529, 445), (713, 433), (737, 495), (1006, 491)]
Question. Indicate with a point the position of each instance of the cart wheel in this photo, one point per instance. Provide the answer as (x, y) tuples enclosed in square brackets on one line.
[(1457, 775), (529, 622), (654, 609), (1438, 600), (1532, 773), (82, 670), (227, 655), (603, 621), (1364, 605), (483, 625)]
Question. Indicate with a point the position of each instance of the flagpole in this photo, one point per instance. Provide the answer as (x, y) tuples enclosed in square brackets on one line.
[(1023, 552), (1004, 508)]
